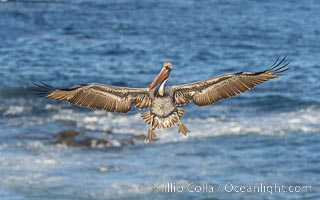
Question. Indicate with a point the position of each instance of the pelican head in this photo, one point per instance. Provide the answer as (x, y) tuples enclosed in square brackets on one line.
[(162, 77)]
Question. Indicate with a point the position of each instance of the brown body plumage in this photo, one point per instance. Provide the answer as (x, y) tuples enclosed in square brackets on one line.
[(162, 101)]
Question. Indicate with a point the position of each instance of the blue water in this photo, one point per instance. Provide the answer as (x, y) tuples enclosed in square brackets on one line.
[(268, 136)]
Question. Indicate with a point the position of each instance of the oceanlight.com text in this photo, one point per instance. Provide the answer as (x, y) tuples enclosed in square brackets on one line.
[(205, 187)]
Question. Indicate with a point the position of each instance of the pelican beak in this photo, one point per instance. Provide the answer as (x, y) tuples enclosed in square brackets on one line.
[(163, 75)]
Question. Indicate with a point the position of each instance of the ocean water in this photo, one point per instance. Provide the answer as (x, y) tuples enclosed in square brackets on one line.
[(267, 137)]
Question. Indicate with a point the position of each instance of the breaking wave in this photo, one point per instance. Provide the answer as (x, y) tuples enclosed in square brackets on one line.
[(303, 120)]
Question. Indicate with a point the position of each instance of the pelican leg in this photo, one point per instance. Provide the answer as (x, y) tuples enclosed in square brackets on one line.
[(151, 134), (182, 128)]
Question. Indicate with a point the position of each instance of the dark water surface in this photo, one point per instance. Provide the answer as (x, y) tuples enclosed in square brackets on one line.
[(267, 136)]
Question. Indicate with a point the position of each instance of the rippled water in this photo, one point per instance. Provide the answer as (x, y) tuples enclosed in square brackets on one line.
[(268, 135)]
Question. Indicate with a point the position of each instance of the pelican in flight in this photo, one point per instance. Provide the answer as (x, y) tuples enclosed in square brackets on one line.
[(164, 102)]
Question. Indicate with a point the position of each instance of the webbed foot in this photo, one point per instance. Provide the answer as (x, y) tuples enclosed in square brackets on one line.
[(151, 135), (183, 129)]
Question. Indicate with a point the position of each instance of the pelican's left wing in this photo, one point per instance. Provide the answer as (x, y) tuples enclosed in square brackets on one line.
[(98, 96), (221, 87)]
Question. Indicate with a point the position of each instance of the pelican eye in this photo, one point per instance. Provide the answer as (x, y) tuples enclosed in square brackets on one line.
[(168, 68)]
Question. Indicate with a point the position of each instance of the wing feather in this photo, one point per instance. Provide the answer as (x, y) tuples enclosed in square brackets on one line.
[(98, 96), (212, 90)]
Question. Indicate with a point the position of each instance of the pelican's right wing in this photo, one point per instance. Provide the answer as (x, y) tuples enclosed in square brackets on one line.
[(98, 96), (221, 87)]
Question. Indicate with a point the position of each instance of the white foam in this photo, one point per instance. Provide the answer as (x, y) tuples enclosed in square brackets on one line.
[(270, 124), (52, 107), (303, 120), (46, 161), (114, 143), (14, 110), (100, 120)]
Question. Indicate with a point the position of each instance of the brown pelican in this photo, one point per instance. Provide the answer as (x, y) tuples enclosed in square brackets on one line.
[(162, 101)]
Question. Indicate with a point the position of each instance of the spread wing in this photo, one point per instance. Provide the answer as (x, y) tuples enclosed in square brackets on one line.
[(98, 96), (222, 87)]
